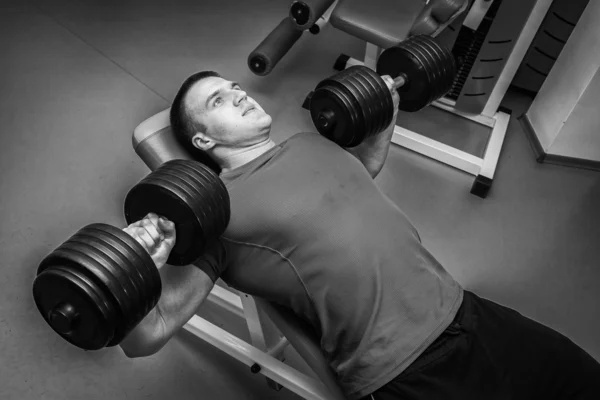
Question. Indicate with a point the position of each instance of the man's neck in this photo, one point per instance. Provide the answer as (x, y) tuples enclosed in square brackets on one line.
[(244, 156)]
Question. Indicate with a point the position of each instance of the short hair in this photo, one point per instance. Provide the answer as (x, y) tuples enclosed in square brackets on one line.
[(184, 125)]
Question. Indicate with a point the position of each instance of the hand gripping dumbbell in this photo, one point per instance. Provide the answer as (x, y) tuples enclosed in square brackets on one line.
[(356, 103), (100, 283)]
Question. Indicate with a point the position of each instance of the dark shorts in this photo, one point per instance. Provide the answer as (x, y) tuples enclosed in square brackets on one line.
[(492, 352)]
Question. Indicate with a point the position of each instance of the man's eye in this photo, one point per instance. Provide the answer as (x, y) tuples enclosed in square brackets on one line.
[(218, 101)]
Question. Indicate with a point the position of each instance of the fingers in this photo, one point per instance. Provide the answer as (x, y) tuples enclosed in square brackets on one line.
[(151, 231), (167, 227), (388, 81)]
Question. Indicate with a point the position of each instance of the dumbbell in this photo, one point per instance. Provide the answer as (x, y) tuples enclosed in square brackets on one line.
[(100, 283), (356, 103)]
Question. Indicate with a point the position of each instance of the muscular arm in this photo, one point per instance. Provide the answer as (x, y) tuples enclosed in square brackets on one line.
[(373, 151), (183, 291)]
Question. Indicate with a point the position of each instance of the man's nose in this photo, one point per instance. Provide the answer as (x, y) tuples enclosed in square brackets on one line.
[(239, 97)]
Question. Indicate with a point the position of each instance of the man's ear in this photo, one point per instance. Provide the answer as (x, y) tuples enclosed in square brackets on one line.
[(202, 141)]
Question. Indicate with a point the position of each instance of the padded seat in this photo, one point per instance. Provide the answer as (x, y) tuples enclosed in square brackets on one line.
[(384, 23)]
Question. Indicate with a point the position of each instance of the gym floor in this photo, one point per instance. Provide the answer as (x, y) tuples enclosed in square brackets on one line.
[(77, 76)]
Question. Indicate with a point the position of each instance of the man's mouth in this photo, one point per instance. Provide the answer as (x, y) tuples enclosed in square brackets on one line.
[(248, 110)]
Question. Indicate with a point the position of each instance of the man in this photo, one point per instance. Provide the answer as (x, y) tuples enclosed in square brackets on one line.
[(311, 231)]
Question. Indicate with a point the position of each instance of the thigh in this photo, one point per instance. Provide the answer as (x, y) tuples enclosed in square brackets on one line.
[(538, 361)]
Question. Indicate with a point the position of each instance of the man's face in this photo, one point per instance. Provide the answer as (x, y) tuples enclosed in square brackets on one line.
[(231, 118)]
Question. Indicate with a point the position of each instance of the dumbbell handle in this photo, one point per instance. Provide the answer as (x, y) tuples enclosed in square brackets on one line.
[(399, 81)]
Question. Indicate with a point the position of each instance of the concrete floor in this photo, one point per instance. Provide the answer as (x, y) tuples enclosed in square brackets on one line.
[(77, 76)]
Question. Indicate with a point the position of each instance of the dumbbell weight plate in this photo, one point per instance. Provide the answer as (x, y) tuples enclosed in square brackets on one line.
[(94, 315), (134, 252), (347, 81), (166, 200), (436, 68), (104, 276), (160, 196), (384, 99), (204, 199), (429, 64), (330, 98), (195, 199), (339, 93), (446, 63), (369, 105), (127, 274), (117, 240), (215, 188), (359, 128), (415, 93)]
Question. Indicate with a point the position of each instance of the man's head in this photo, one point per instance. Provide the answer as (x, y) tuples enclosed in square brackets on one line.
[(216, 116)]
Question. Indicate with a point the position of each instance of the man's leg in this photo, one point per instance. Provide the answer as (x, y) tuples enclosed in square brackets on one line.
[(493, 352)]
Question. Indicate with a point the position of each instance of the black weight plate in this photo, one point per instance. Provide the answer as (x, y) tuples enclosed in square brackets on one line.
[(438, 66), (218, 191), (217, 186), (414, 93), (195, 198), (202, 197), (360, 109), (175, 205), (135, 253), (126, 259), (130, 277), (425, 61), (94, 326), (211, 201), (367, 100), (104, 275), (385, 100), (358, 122), (328, 99), (354, 124), (175, 178), (431, 66), (340, 94), (164, 199), (447, 64), (193, 241), (362, 119)]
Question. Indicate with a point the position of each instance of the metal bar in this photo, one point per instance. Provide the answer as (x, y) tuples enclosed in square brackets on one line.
[(277, 350), (516, 56), (494, 147), (353, 61), (438, 151), (371, 56), (227, 300), (448, 105), (270, 367), (323, 19), (253, 320)]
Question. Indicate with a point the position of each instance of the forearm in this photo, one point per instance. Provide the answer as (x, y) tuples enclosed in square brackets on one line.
[(373, 151), (184, 288), (148, 337)]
